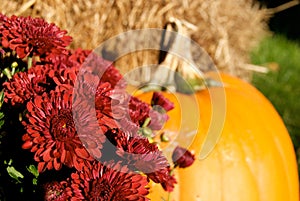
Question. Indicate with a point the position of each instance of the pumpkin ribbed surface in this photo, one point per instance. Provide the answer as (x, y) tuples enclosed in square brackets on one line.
[(254, 159)]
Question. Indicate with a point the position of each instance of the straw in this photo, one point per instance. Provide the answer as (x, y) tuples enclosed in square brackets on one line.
[(227, 30)]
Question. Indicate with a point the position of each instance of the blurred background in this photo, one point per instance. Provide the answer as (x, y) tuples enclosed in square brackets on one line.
[(280, 53)]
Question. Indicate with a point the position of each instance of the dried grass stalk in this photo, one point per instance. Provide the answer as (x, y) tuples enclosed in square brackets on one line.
[(227, 30)]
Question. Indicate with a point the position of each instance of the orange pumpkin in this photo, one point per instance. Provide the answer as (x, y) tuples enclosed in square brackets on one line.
[(254, 159)]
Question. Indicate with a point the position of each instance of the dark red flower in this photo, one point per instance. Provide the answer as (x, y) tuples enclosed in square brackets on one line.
[(157, 119), (114, 77), (182, 157), (141, 155), (51, 132), (2, 17), (55, 191), (104, 69), (128, 126), (109, 181), (147, 158), (159, 99), (25, 85), (138, 110), (90, 132), (168, 179), (78, 57), (33, 36), (64, 78), (71, 59)]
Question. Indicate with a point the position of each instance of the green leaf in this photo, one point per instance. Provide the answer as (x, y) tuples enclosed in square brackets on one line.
[(34, 181), (33, 170), (13, 173), (1, 119)]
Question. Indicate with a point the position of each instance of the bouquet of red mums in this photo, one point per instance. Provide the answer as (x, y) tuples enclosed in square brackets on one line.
[(69, 129)]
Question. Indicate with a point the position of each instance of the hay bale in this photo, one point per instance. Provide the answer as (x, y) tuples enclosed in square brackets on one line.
[(227, 30)]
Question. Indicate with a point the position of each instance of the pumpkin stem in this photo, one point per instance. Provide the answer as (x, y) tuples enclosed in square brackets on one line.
[(175, 73)]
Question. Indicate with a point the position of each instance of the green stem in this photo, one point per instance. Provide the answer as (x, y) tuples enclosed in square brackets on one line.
[(29, 62), (7, 72), (146, 122)]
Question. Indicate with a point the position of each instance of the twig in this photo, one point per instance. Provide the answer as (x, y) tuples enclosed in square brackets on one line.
[(283, 6), (256, 68)]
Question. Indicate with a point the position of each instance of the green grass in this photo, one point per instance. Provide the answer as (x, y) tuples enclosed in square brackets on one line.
[(282, 86)]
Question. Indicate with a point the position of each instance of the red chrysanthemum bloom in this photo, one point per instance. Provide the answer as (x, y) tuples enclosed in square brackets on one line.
[(109, 182), (90, 132), (141, 155), (159, 99), (55, 191), (71, 59), (104, 69), (78, 57), (157, 119), (64, 78), (2, 17), (33, 36), (147, 158), (138, 110), (51, 132), (168, 180), (25, 85), (182, 157)]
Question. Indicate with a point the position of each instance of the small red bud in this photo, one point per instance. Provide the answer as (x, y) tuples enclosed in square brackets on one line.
[(182, 157)]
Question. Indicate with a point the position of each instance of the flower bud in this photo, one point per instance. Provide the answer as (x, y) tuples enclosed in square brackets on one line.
[(182, 157)]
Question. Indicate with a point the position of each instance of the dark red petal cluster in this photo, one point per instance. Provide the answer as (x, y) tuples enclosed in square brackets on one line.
[(71, 59), (159, 99), (55, 191), (143, 156), (2, 17), (78, 57), (182, 157), (114, 77), (87, 126), (25, 85), (147, 158), (157, 119), (33, 36), (168, 179), (64, 78), (109, 181), (104, 69), (138, 110), (51, 133)]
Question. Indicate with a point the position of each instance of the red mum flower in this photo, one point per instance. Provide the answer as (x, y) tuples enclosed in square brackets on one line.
[(51, 132), (138, 111), (25, 85), (141, 155), (78, 57), (159, 99), (157, 119), (165, 178), (104, 69), (55, 191), (2, 17), (71, 59), (109, 181), (87, 126), (33, 36), (147, 158), (182, 157), (64, 78)]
